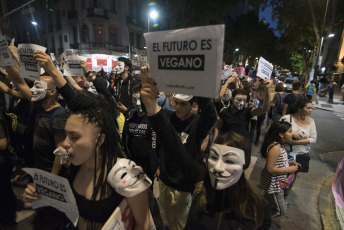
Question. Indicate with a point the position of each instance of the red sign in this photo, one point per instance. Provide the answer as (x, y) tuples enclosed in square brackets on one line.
[(114, 63), (102, 62)]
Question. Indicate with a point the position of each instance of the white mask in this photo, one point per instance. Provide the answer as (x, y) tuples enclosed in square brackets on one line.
[(137, 102), (39, 90), (120, 67), (225, 165), (239, 101), (127, 178)]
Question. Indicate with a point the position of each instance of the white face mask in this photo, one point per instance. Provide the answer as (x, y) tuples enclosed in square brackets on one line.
[(137, 102), (39, 90), (225, 165), (120, 67), (127, 178), (239, 101)]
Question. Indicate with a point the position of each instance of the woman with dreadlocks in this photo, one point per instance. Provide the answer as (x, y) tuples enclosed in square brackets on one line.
[(91, 148)]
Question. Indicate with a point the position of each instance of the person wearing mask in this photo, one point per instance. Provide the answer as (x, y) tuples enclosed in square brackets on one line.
[(236, 118), (124, 84), (219, 201)]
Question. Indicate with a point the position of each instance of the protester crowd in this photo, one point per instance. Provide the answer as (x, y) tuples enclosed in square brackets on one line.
[(112, 138)]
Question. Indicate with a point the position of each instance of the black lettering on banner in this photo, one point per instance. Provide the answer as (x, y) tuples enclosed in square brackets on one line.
[(50, 193), (31, 67), (5, 55), (181, 62), (74, 66), (27, 58)]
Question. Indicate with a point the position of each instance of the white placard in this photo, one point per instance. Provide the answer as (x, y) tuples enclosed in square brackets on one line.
[(52, 55), (5, 54), (69, 52), (54, 191), (29, 68), (123, 219), (265, 68), (187, 61), (73, 66)]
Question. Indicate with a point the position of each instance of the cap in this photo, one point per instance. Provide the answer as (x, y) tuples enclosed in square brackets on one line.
[(182, 97)]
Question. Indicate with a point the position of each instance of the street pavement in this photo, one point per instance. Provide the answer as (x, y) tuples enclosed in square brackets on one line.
[(311, 203)]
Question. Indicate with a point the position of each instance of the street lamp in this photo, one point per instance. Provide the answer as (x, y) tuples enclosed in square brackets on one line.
[(237, 49), (153, 15), (34, 23)]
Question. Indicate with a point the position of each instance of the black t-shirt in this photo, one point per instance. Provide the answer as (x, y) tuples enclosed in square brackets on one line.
[(43, 139), (142, 143), (236, 122), (290, 100)]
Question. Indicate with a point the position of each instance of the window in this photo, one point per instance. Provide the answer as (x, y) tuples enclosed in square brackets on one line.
[(65, 38), (114, 7), (98, 35), (131, 38), (113, 36), (53, 45), (138, 39), (84, 34), (61, 43)]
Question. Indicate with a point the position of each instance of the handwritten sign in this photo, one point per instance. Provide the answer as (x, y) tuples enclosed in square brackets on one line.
[(187, 61), (5, 54), (123, 219), (29, 68), (54, 191), (73, 66), (265, 68)]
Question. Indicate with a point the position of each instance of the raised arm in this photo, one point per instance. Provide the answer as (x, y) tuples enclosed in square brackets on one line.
[(5, 89), (265, 107)]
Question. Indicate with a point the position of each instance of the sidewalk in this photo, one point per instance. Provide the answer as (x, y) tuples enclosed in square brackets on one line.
[(337, 105)]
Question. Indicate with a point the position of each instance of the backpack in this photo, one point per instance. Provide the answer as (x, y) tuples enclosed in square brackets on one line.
[(281, 104)]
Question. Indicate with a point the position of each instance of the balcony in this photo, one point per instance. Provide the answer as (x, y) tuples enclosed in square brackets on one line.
[(97, 13)]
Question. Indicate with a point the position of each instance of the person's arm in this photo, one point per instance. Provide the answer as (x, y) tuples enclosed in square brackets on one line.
[(5, 89), (271, 160), (285, 108), (218, 128), (311, 139), (73, 83), (223, 88), (208, 116), (140, 209), (265, 107), (3, 144)]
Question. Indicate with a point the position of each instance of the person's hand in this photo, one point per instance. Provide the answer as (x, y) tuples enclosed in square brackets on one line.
[(30, 194), (149, 92), (293, 168), (157, 174), (45, 61), (296, 135), (122, 108), (291, 163)]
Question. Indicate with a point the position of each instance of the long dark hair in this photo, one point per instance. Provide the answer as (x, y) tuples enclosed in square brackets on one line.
[(96, 110), (301, 103), (273, 136), (239, 199)]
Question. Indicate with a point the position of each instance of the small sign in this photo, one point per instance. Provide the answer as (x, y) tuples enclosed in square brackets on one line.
[(5, 54), (265, 68), (54, 191), (122, 219), (187, 61), (73, 66), (29, 68), (69, 52)]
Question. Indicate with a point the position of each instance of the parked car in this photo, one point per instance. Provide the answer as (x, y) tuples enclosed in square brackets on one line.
[(288, 83)]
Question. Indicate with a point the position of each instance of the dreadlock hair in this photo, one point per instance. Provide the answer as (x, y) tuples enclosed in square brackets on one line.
[(96, 110), (239, 199), (273, 136)]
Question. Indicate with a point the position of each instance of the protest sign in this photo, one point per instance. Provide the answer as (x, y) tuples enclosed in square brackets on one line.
[(69, 52), (73, 66), (52, 55), (54, 191), (187, 61), (5, 54), (265, 68), (29, 68), (123, 219)]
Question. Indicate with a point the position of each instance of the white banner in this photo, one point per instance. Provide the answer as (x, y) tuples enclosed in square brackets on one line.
[(122, 219), (54, 191), (265, 68), (5, 54), (187, 61), (73, 67), (29, 68)]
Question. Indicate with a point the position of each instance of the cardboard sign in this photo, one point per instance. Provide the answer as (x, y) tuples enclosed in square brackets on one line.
[(5, 54), (29, 68), (187, 61), (73, 66), (265, 68), (123, 219), (54, 191)]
